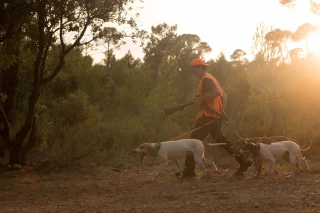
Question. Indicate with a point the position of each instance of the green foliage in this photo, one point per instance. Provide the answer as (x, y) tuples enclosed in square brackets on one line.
[(75, 109), (37, 28)]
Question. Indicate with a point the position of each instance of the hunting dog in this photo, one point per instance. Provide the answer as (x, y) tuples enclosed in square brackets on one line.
[(172, 150), (273, 152), (239, 144)]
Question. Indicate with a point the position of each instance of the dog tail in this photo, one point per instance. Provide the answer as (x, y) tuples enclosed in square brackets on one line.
[(214, 144), (304, 148)]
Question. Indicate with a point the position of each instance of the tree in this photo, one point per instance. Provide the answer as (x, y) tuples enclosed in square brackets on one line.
[(276, 42), (12, 18), (270, 45), (238, 55), (303, 33), (314, 6), (288, 3), (175, 64), (52, 23), (296, 54), (111, 35), (161, 36)]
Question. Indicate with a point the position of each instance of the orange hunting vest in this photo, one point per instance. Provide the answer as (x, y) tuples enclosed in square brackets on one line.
[(215, 104)]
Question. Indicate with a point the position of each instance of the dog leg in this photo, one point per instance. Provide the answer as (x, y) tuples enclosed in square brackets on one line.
[(285, 156), (259, 170), (201, 166), (306, 163), (155, 172), (252, 173), (212, 163), (271, 165), (300, 158), (291, 172), (258, 165), (256, 169), (292, 159), (180, 170)]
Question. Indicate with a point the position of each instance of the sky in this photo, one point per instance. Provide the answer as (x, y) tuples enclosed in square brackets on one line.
[(226, 25)]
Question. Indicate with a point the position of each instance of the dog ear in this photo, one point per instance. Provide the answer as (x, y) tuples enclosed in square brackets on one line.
[(255, 148), (249, 146), (147, 148), (246, 140), (150, 150)]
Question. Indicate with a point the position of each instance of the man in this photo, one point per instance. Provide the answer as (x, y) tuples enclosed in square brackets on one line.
[(210, 99)]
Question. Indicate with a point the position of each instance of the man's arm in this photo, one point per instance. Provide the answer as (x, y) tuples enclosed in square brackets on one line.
[(211, 91), (215, 92), (224, 99)]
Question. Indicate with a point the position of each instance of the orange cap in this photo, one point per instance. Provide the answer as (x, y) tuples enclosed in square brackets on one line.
[(198, 61)]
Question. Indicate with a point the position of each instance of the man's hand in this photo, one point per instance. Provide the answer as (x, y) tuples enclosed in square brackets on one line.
[(223, 114), (197, 100)]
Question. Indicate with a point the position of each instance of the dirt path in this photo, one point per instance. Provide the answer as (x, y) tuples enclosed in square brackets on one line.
[(125, 190)]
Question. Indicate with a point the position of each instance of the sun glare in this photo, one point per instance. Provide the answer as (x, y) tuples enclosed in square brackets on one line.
[(314, 43), (301, 14)]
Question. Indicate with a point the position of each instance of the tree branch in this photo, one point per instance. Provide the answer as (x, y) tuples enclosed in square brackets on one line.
[(65, 51)]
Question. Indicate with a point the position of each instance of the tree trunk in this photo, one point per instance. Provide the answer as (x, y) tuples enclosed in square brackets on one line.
[(32, 140), (15, 153)]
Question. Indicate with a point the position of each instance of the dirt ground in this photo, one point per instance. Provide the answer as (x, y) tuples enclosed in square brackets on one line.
[(124, 188)]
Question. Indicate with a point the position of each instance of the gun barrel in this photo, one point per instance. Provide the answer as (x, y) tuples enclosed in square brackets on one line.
[(173, 109)]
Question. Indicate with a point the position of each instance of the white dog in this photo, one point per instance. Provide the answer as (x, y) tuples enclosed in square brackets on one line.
[(274, 151), (172, 150)]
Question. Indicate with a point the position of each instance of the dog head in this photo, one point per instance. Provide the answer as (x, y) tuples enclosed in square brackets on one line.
[(253, 148), (144, 149), (238, 144)]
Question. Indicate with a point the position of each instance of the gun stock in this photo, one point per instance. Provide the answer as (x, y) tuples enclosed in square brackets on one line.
[(173, 109)]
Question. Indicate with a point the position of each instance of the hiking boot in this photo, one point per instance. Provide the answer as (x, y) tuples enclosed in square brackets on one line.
[(243, 167), (227, 147)]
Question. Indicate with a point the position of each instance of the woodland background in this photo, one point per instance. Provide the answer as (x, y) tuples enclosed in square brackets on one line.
[(56, 105)]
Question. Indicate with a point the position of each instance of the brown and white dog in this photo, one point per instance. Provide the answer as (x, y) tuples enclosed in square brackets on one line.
[(172, 150), (239, 144), (273, 152)]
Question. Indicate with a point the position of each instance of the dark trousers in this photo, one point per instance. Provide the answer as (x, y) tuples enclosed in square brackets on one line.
[(214, 129)]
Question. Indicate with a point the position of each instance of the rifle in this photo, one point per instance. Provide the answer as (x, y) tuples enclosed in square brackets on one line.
[(173, 109)]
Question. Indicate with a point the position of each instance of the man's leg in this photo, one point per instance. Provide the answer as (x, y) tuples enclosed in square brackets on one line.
[(243, 161), (200, 134)]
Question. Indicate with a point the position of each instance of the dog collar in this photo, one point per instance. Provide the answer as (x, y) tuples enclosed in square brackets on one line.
[(156, 148), (257, 152)]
